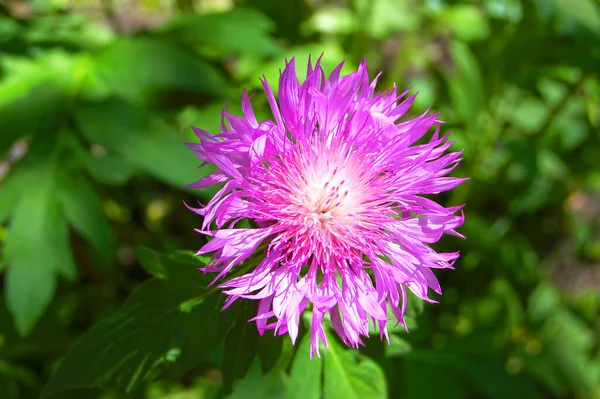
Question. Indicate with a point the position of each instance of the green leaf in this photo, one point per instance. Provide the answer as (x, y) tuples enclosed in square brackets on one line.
[(18, 373), (140, 68), (13, 378), (31, 114), (305, 376), (568, 346), (332, 21), (348, 374), (259, 385), (9, 28), (416, 378), (11, 190), (22, 75), (467, 22), (37, 248), (152, 333), (108, 169), (269, 350), (140, 138), (383, 17), (584, 12), (547, 372), (207, 118), (239, 347), (152, 262), (397, 347), (332, 53), (465, 83), (239, 31), (82, 209), (537, 195), (550, 165), (33, 92), (493, 381), (504, 290), (531, 113), (511, 10), (53, 27)]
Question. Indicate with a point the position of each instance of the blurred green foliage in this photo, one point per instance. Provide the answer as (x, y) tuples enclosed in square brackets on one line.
[(96, 100)]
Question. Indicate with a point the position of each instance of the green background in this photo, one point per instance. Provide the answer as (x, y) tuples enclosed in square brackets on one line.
[(96, 100)]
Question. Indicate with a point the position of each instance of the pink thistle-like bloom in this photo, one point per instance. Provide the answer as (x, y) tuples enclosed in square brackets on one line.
[(334, 186)]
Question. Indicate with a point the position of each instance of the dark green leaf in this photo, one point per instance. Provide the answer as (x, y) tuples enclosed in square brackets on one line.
[(269, 350), (18, 373), (151, 261), (163, 323), (30, 115), (239, 347), (417, 380), (493, 381)]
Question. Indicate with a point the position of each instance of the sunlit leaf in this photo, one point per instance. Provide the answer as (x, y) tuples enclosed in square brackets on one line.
[(384, 17), (254, 67), (12, 189), (139, 137), (467, 22), (239, 31), (332, 20), (347, 374), (305, 375), (34, 93), (37, 249), (550, 165), (141, 68), (465, 82), (584, 12)]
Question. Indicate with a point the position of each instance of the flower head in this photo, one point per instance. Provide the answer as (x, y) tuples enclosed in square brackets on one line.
[(334, 186)]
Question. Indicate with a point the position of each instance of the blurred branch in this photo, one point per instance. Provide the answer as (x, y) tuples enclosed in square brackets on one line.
[(108, 9), (186, 5)]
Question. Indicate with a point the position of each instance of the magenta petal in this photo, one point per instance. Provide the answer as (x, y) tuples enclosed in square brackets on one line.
[(334, 186)]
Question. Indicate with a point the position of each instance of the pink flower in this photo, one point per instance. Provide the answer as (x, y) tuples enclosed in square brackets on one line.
[(334, 185)]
